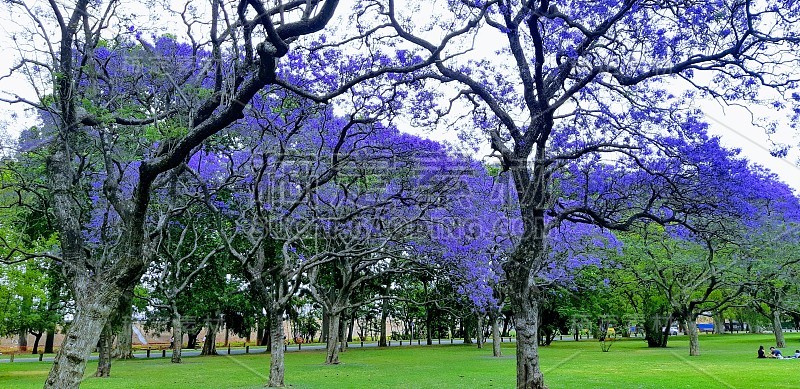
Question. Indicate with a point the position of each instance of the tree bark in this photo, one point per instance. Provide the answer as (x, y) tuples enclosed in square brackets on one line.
[(780, 341), (259, 333), (49, 341), (694, 341), (496, 340), (479, 333), (192, 339), (82, 336), (326, 322), (342, 333), (466, 324), (526, 317), (276, 361), (210, 344), (384, 315), (36, 339), (104, 349), (124, 346), (332, 351), (428, 324), (177, 336), (22, 341), (351, 326)]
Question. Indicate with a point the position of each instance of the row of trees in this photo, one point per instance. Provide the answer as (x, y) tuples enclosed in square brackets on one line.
[(158, 155)]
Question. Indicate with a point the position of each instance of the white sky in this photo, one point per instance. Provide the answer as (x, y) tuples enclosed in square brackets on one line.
[(732, 124)]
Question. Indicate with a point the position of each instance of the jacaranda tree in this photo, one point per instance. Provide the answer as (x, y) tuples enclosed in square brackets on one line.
[(573, 79)]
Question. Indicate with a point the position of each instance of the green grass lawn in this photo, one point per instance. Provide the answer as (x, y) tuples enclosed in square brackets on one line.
[(727, 361)]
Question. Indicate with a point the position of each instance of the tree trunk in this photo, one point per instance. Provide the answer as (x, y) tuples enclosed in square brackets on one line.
[(105, 346), (384, 315), (326, 322), (37, 338), (177, 336), (22, 342), (526, 318), (466, 324), (342, 333), (124, 347), (351, 327), (719, 324), (428, 325), (694, 342), (259, 333), (276, 361), (49, 341), (81, 337), (332, 351), (210, 344), (192, 341), (479, 333), (496, 340), (227, 336), (780, 341)]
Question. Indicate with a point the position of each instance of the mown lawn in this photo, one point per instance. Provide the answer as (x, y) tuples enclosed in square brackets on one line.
[(728, 361)]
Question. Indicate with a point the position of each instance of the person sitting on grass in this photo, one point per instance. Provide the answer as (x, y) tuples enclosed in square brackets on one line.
[(761, 353), (775, 353), (796, 354)]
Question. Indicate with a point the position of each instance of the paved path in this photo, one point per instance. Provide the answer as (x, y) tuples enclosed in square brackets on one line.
[(255, 349)]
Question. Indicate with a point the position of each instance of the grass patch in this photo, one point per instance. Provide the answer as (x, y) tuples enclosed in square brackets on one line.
[(727, 361)]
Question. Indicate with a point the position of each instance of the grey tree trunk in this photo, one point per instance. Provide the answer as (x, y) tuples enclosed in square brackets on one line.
[(210, 345), (496, 341), (526, 318), (332, 351), (384, 314), (694, 341), (342, 333), (104, 349), (780, 341), (124, 344), (479, 333), (326, 322), (81, 338), (276, 361), (177, 335)]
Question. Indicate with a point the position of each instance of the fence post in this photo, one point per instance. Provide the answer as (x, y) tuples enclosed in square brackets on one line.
[(148, 352)]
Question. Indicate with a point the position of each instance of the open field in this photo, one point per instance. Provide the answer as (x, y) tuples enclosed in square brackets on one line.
[(728, 361)]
